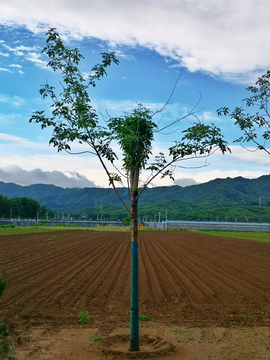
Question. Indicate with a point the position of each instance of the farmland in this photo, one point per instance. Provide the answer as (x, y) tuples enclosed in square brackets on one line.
[(190, 283)]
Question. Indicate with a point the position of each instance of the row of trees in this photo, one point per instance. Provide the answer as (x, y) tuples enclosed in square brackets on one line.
[(177, 210), (23, 208)]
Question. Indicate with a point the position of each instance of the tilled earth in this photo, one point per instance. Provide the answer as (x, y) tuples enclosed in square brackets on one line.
[(189, 284)]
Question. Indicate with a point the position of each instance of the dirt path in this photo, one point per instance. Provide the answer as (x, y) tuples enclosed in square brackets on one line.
[(201, 292)]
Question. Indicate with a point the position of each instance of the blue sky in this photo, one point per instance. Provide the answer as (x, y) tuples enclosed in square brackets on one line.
[(221, 47)]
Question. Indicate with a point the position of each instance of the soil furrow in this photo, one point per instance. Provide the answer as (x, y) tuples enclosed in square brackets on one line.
[(185, 278)]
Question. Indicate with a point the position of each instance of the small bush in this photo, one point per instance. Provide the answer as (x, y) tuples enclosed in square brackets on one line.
[(144, 318), (83, 317), (95, 337), (3, 329), (3, 281), (126, 221)]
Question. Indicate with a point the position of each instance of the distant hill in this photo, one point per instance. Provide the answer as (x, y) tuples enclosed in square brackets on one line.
[(217, 193)]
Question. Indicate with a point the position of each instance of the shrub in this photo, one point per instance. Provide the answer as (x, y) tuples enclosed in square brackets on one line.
[(83, 317), (3, 281), (144, 318), (95, 337)]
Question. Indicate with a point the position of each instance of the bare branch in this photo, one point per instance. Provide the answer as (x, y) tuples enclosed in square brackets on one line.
[(189, 114), (80, 152), (167, 102)]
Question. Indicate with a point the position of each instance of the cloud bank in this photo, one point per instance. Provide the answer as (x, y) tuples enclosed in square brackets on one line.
[(15, 174), (224, 37)]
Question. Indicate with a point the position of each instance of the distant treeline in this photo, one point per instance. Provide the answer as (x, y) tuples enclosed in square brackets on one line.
[(177, 210), (27, 208), (24, 208)]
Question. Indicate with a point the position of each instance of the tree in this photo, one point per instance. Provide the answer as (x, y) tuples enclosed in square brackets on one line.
[(126, 221), (256, 125), (74, 119)]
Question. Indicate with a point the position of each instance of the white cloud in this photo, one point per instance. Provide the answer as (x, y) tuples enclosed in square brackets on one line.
[(4, 54), (224, 37), (35, 58), (21, 48), (250, 156), (29, 155), (17, 175), (16, 101), (210, 116), (15, 65), (8, 118), (3, 69), (16, 142)]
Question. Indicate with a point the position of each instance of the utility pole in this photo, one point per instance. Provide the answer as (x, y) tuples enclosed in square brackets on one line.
[(159, 217)]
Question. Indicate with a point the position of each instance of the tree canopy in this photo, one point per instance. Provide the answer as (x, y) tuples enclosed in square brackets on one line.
[(22, 207), (254, 124)]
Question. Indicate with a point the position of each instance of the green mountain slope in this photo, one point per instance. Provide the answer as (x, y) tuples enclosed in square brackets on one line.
[(218, 193)]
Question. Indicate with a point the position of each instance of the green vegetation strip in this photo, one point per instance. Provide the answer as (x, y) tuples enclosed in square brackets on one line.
[(246, 235), (20, 230)]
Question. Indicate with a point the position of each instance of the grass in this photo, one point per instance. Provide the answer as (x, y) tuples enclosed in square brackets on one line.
[(246, 235), (3, 329), (144, 228), (4, 343), (21, 230), (144, 318), (185, 335), (177, 229), (109, 228), (83, 318), (95, 337)]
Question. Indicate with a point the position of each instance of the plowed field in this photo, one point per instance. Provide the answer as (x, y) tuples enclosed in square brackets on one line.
[(186, 279)]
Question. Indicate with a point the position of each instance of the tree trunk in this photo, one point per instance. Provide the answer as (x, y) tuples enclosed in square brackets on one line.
[(134, 296)]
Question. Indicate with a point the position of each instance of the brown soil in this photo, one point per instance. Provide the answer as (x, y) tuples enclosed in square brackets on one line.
[(208, 297)]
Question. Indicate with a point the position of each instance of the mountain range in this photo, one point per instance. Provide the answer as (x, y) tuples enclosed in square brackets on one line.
[(218, 193)]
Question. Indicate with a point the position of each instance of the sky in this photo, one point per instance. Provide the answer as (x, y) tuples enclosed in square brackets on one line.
[(218, 47)]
